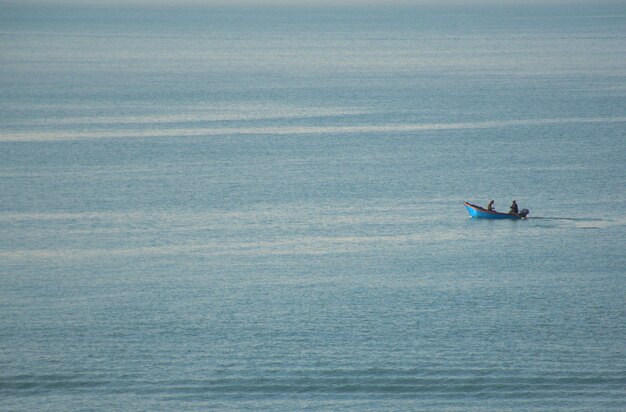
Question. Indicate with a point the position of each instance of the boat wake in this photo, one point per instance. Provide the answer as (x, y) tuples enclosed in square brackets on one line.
[(577, 222), (573, 219)]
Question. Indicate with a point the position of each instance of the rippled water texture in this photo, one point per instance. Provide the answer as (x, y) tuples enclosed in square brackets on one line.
[(261, 208)]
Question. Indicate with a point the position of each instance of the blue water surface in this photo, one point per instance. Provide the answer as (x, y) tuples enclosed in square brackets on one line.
[(256, 208)]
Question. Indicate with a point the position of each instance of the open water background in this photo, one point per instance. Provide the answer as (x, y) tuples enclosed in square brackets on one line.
[(261, 208)]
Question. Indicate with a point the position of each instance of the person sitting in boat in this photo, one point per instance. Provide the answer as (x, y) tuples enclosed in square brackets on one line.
[(490, 206), (514, 210)]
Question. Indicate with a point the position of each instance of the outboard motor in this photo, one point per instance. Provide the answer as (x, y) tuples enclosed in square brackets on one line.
[(522, 213)]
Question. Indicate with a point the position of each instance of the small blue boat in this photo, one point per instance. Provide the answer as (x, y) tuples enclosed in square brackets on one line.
[(477, 211)]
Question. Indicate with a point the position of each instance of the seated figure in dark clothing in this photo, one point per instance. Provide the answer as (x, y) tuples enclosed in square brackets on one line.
[(490, 206), (514, 210)]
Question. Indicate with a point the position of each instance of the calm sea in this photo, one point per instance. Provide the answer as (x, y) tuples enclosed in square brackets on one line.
[(261, 208)]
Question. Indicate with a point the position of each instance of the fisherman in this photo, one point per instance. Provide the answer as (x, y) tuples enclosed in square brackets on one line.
[(490, 206), (514, 210)]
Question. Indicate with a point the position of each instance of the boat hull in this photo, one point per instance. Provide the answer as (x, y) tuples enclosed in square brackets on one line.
[(479, 212)]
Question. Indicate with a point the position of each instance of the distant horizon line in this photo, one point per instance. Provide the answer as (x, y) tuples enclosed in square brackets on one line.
[(311, 3)]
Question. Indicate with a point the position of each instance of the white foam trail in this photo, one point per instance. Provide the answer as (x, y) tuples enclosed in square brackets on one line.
[(307, 245), (248, 231), (213, 116), (295, 130)]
